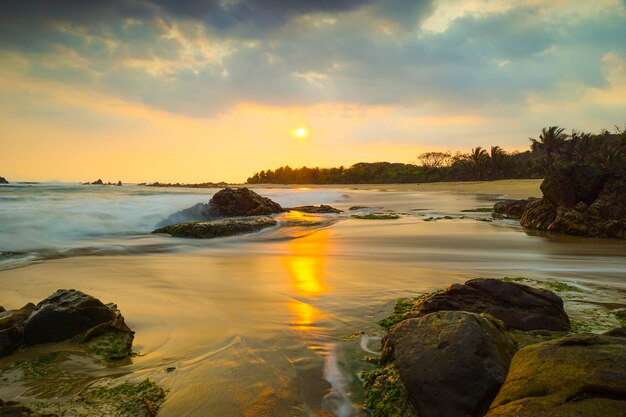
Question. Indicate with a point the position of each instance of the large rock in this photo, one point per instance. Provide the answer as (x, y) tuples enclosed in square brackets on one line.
[(65, 314), (580, 200), (218, 228), (233, 202), (580, 375), (518, 306), (229, 202), (3, 180), (512, 208), (452, 363)]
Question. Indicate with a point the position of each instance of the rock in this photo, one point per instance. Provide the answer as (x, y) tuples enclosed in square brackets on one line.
[(315, 209), (452, 363), (234, 202), (228, 202), (97, 182), (10, 340), (518, 306), (12, 318), (577, 375), (63, 315), (218, 228), (119, 183), (581, 201), (3, 180), (512, 208)]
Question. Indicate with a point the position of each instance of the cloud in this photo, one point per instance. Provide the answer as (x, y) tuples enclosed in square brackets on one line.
[(200, 58)]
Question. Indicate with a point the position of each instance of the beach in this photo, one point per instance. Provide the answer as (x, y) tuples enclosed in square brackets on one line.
[(265, 323)]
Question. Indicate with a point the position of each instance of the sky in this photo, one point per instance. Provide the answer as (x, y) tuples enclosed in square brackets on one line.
[(215, 90)]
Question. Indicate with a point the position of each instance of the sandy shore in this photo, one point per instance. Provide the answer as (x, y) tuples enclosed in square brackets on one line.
[(516, 189)]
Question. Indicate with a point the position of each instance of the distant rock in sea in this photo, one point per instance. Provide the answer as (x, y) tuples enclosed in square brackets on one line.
[(100, 182), (3, 180), (315, 209), (218, 228)]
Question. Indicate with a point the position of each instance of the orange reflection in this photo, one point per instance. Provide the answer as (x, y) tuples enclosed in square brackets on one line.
[(305, 265)]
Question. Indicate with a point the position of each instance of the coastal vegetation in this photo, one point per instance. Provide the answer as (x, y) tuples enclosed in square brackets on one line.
[(552, 149)]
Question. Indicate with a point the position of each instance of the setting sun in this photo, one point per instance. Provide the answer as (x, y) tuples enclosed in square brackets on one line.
[(300, 132)]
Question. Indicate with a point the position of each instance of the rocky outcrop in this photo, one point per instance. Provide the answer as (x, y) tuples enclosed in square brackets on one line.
[(3, 180), (511, 208), (577, 375), (518, 306), (218, 228), (229, 202), (323, 208), (580, 200), (233, 202), (452, 363), (66, 314)]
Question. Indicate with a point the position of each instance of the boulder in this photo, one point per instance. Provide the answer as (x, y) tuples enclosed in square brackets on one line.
[(452, 363), (233, 202), (518, 306), (512, 208), (218, 228), (3, 180), (577, 375), (63, 315), (97, 182), (315, 209), (580, 200), (119, 183), (229, 202)]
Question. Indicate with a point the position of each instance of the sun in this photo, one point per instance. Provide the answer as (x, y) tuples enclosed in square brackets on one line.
[(300, 132)]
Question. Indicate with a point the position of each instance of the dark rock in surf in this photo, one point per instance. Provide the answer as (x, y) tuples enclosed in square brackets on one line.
[(97, 182), (218, 228), (229, 202), (63, 315), (580, 200), (511, 208), (119, 183), (234, 202), (452, 363), (3, 180), (323, 208), (518, 306), (68, 314), (576, 375)]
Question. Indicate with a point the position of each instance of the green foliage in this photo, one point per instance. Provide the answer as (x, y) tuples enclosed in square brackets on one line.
[(385, 395), (605, 151)]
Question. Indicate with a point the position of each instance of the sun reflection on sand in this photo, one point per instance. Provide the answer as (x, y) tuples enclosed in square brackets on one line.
[(305, 265)]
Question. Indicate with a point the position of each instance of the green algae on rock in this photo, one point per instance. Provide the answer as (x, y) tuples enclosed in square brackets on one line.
[(385, 395), (376, 216), (218, 228), (576, 375), (129, 399)]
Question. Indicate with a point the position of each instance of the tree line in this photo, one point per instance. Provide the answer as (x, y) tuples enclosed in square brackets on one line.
[(553, 148)]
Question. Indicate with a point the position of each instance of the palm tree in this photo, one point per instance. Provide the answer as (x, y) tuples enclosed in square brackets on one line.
[(551, 141), (497, 155), (478, 160)]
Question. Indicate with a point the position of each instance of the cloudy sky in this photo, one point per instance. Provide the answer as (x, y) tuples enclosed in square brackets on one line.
[(190, 90)]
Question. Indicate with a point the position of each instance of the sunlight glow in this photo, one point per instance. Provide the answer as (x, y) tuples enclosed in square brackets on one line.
[(300, 132)]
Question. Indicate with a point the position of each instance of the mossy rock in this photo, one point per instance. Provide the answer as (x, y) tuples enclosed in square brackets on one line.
[(385, 395), (576, 375), (376, 216), (129, 399), (218, 228)]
